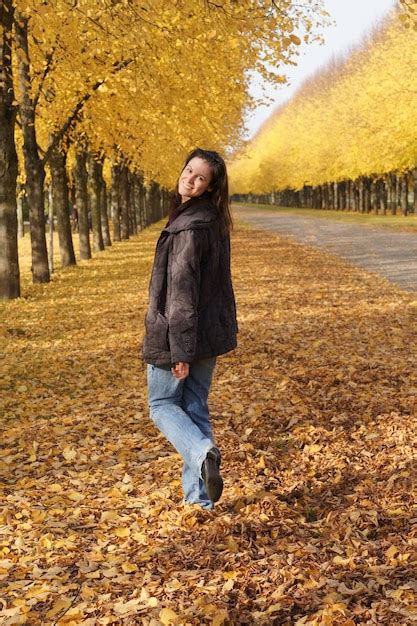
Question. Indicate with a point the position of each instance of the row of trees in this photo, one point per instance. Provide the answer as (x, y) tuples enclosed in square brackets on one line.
[(348, 139), (123, 85), (396, 193)]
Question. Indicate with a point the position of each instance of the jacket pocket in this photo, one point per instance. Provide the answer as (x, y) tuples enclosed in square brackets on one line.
[(159, 332)]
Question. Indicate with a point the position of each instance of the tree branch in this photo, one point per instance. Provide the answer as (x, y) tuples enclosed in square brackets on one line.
[(74, 115), (43, 77)]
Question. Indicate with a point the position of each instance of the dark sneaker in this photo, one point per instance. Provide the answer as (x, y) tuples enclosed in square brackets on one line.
[(210, 471)]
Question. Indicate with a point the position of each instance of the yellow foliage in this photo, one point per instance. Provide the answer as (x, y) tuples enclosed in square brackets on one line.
[(158, 78), (358, 117)]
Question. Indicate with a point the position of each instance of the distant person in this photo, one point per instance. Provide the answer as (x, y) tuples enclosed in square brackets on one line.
[(191, 320)]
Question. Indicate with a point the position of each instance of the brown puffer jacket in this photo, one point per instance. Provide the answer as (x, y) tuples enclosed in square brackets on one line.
[(192, 311)]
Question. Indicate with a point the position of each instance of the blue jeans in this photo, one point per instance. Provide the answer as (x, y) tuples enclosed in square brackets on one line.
[(180, 411)]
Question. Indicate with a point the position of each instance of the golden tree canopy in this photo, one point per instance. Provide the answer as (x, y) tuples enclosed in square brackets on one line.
[(358, 117), (158, 78)]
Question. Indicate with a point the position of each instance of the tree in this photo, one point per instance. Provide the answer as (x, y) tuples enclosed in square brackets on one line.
[(9, 265)]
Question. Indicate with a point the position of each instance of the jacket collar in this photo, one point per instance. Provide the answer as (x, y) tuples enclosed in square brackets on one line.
[(195, 213)]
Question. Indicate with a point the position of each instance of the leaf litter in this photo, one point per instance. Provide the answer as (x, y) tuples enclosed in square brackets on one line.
[(314, 413)]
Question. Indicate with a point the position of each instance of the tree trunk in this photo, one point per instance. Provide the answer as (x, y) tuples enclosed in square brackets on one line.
[(404, 193), (104, 214), (81, 203), (396, 194), (60, 200), (142, 194), (373, 196), (361, 190), (415, 191), (391, 193), (73, 209), (9, 261), (50, 206), (382, 197), (133, 202), (94, 194), (115, 200), (34, 169), (20, 216), (124, 203)]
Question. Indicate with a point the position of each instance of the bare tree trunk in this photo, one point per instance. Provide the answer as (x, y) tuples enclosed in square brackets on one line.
[(20, 217), (391, 193), (50, 206), (383, 197), (142, 193), (373, 196), (81, 202), (132, 202), (404, 193), (60, 200), (335, 196), (115, 200), (104, 214), (94, 194), (9, 260), (415, 191), (73, 208), (35, 171), (361, 195), (124, 203)]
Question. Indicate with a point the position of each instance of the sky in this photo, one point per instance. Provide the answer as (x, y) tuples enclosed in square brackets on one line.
[(353, 18)]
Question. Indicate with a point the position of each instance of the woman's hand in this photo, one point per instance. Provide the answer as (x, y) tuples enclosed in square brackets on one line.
[(181, 370)]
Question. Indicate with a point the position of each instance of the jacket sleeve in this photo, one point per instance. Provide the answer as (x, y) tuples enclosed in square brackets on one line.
[(184, 291)]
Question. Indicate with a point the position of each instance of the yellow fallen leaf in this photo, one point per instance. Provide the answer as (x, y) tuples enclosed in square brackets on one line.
[(173, 585), (121, 531), (140, 537), (232, 545), (60, 605), (109, 516), (219, 618), (69, 453), (40, 592), (75, 496), (87, 593), (114, 492), (228, 585), (122, 608), (168, 616), (391, 552), (93, 575), (110, 572), (339, 560), (54, 488), (128, 568)]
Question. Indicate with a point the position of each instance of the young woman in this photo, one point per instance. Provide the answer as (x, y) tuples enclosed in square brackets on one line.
[(191, 320)]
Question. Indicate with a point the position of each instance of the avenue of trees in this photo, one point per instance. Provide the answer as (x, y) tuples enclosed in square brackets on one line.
[(101, 99), (348, 139)]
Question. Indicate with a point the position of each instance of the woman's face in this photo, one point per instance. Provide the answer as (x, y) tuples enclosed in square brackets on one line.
[(194, 179)]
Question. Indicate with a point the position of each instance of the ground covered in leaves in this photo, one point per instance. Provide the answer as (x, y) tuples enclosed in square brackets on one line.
[(314, 413)]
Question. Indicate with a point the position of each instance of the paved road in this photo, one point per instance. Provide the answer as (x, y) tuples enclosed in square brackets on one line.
[(384, 251)]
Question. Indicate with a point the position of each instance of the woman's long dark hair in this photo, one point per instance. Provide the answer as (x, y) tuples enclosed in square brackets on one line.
[(219, 194)]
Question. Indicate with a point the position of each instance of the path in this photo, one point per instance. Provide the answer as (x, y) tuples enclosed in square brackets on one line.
[(386, 252)]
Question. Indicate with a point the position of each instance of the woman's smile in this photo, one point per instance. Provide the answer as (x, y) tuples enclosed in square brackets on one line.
[(195, 179)]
